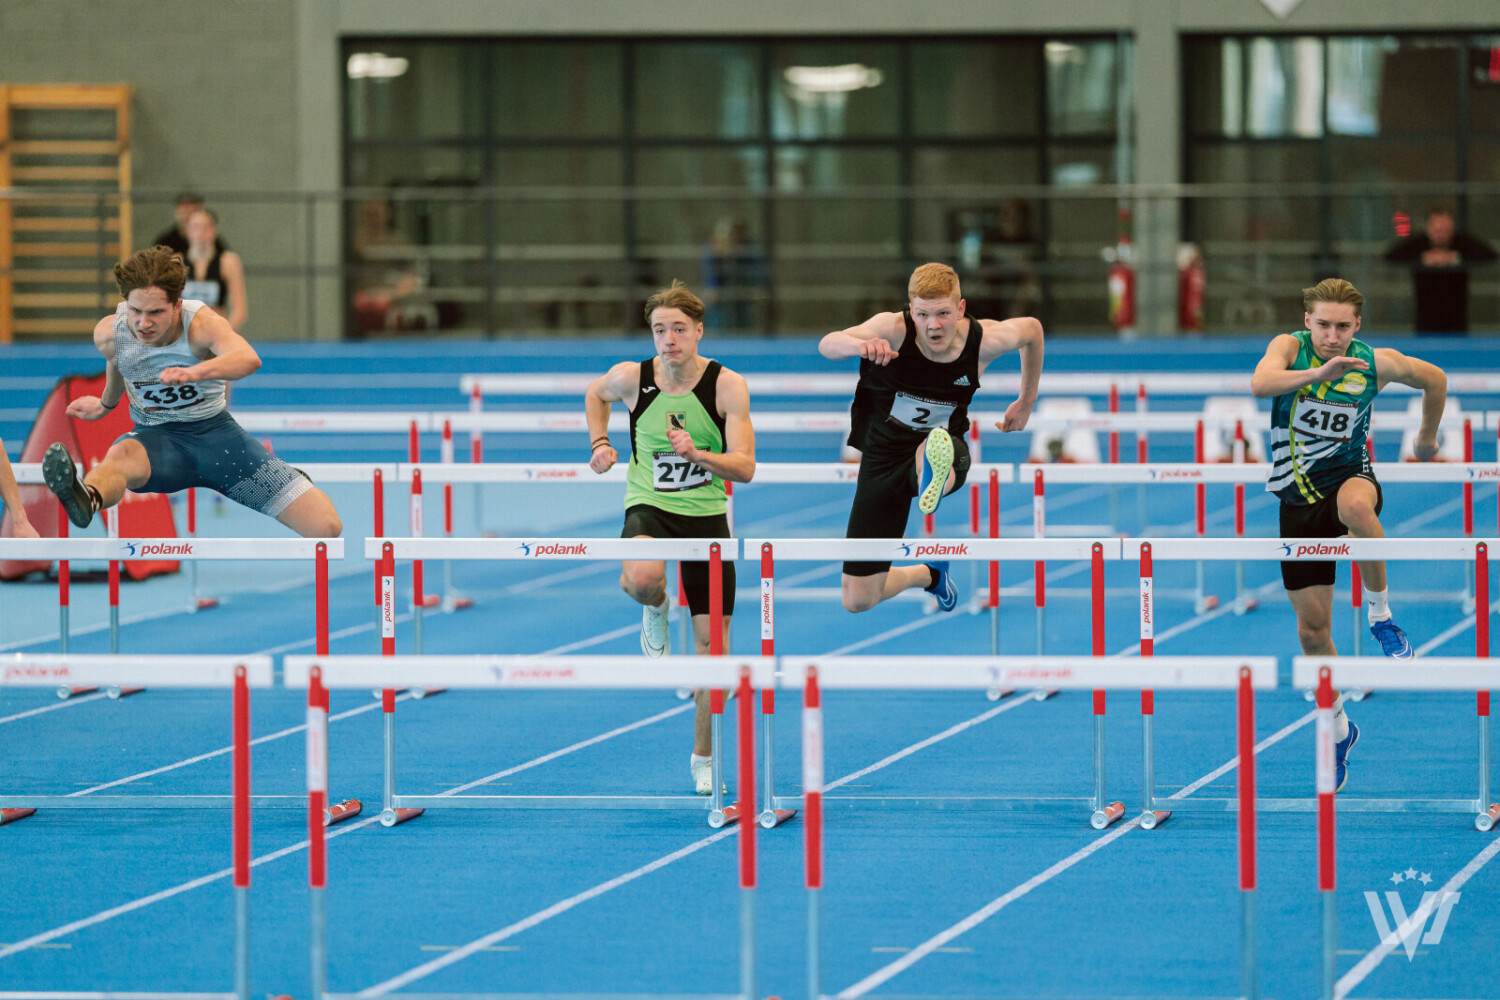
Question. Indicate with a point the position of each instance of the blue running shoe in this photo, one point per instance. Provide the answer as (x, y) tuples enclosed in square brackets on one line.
[(937, 462), (1341, 757), (943, 587), (1392, 640)]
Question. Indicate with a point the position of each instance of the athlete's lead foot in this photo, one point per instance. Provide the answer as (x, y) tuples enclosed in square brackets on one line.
[(63, 479), (937, 462), (1392, 640)]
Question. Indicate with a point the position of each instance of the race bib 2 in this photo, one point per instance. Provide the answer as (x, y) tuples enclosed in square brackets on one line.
[(920, 414)]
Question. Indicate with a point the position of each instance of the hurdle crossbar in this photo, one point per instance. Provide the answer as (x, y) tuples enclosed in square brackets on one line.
[(693, 549), (995, 383), (1354, 672)]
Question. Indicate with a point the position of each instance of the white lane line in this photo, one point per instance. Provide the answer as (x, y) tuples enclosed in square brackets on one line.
[(1413, 923), (338, 831), (541, 916), (223, 750), (622, 730), (993, 907), (54, 707), (1457, 628), (953, 730)]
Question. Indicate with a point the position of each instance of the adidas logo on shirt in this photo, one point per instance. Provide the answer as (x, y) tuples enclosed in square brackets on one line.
[(961, 380)]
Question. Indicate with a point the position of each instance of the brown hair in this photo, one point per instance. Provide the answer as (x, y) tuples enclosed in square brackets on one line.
[(676, 297), (933, 281), (1335, 290), (157, 267)]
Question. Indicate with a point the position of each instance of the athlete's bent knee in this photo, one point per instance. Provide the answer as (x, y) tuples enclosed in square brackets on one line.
[(1313, 636), (640, 583)]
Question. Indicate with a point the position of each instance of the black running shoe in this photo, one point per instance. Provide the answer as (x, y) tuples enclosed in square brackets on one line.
[(63, 479)]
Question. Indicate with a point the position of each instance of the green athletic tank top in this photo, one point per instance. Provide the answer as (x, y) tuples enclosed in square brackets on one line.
[(1318, 432), (656, 475)]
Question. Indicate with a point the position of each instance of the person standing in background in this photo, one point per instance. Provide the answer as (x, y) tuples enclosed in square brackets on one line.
[(175, 236), (216, 276), (1441, 257)]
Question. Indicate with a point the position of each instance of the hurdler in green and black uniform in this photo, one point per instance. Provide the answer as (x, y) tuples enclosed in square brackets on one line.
[(690, 432), (1322, 383), (1318, 432)]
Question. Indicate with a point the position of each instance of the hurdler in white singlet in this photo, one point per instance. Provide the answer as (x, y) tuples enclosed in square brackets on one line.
[(152, 403)]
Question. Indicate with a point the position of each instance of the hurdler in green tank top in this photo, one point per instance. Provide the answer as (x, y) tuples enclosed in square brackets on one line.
[(1318, 432), (656, 475)]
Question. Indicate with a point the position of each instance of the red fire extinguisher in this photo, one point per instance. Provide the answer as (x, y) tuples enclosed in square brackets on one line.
[(1122, 279), (1190, 282)]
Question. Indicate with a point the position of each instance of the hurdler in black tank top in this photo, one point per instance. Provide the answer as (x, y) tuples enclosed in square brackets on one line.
[(897, 405)]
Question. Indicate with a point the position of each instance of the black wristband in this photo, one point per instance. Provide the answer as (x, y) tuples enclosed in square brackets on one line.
[(110, 406), (599, 441)]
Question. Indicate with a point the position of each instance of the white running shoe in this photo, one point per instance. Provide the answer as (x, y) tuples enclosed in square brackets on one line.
[(656, 630), (702, 770)]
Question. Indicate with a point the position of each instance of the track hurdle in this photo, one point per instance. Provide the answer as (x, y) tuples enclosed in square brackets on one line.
[(1325, 550), (118, 550), (1102, 812), (1243, 675), (397, 808), (238, 673), (742, 674), (1438, 673), (138, 672)]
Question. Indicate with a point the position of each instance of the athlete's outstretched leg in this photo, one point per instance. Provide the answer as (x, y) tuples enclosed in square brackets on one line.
[(124, 467), (312, 515), (1359, 504)]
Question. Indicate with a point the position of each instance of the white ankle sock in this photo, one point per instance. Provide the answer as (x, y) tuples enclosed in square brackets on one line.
[(699, 759), (1378, 607), (1340, 721)]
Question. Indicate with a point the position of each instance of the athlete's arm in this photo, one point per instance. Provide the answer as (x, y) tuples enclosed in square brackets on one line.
[(95, 407), (618, 385), (1022, 334), (1274, 377), (876, 339), (737, 463), (11, 494), (1393, 366), (233, 271), (229, 356)]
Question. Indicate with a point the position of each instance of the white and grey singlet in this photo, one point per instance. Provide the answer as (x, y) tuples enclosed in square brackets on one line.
[(152, 403)]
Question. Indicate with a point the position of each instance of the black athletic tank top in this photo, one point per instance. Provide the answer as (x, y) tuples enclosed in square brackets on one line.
[(210, 289), (896, 405)]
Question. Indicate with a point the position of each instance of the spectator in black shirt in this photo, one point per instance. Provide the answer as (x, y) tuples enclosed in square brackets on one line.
[(175, 238), (1441, 257)]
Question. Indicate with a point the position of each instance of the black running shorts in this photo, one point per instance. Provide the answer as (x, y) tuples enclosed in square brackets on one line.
[(644, 519), (1317, 520)]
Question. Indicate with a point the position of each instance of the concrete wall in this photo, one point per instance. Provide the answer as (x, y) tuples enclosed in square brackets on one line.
[(244, 94), (215, 110)]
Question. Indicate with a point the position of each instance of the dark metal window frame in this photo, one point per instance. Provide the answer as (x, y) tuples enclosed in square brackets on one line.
[(904, 142)]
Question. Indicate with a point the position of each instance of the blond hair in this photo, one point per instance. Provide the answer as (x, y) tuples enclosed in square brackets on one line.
[(676, 297), (154, 267), (1335, 290), (933, 281)]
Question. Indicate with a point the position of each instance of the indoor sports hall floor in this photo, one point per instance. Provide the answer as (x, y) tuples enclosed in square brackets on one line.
[(621, 902)]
